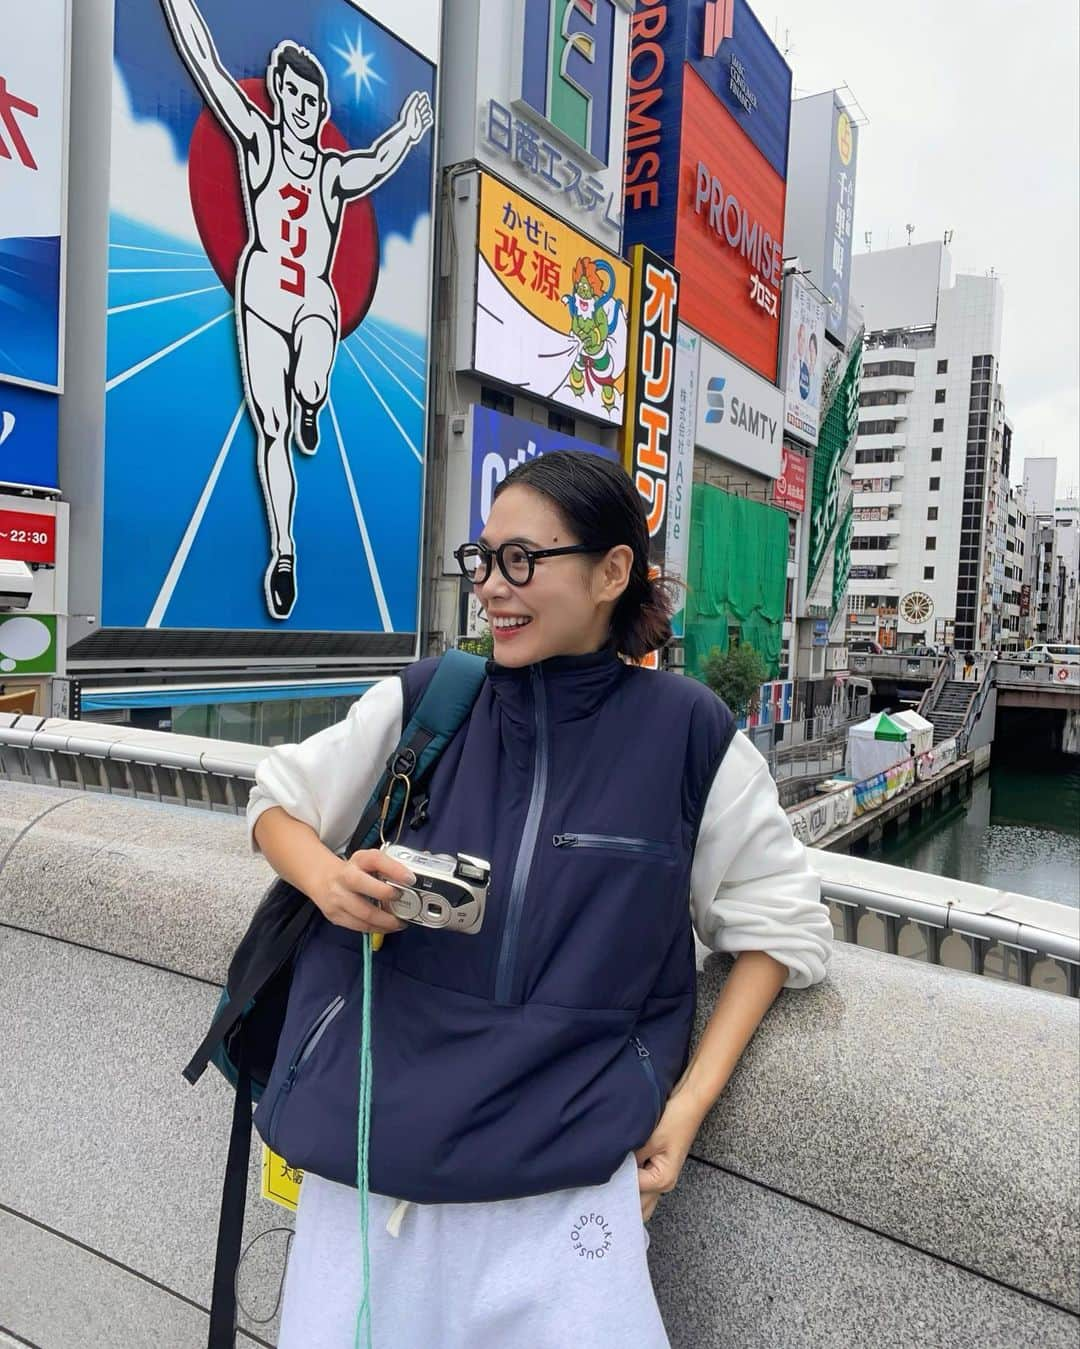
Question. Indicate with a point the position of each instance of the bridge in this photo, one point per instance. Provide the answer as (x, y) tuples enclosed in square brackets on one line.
[(846, 1189)]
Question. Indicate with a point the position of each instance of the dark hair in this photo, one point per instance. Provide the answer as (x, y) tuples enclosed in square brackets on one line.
[(813, 342), (291, 57), (601, 506)]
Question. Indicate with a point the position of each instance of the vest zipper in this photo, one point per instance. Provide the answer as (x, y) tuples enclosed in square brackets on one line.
[(523, 864), (304, 1051), (613, 843), (645, 1059)]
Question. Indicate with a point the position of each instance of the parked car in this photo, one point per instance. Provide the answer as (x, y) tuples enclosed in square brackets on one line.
[(865, 647), (1053, 653), (923, 650)]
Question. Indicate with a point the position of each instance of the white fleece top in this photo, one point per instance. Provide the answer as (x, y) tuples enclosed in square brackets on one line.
[(751, 886)]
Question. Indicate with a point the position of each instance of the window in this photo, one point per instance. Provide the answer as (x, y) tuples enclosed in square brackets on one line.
[(935, 484), (878, 428), (496, 400), (561, 422), (943, 367), (935, 455), (939, 395), (928, 573), (931, 543), (931, 512), (939, 424), (889, 368)]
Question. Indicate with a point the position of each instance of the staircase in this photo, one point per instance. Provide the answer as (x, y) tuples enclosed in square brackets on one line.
[(950, 710)]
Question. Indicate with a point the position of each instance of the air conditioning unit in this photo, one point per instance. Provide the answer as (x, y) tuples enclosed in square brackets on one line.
[(16, 585)]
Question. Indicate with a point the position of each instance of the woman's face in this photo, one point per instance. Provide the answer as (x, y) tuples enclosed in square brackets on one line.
[(570, 599)]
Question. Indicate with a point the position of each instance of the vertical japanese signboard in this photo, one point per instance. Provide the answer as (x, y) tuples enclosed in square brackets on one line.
[(269, 319), (650, 389), (551, 307), (681, 474), (842, 558), (836, 435), (840, 219), (819, 223), (33, 155)]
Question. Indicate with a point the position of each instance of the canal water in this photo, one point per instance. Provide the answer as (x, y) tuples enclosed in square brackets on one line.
[(1019, 830)]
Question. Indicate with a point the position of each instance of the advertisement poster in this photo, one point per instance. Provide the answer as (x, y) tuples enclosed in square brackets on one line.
[(500, 444), (27, 644), (269, 317), (29, 427), (551, 307), (836, 435), (33, 155), (650, 391), (789, 490), (803, 361)]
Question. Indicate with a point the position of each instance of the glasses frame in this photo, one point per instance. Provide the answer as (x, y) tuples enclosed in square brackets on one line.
[(489, 555)]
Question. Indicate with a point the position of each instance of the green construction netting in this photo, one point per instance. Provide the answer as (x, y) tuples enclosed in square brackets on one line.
[(737, 576)]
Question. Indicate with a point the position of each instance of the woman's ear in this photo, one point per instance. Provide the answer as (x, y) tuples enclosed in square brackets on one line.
[(615, 571)]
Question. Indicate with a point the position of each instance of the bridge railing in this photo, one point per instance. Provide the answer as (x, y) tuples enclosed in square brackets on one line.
[(892, 1161), (217, 775)]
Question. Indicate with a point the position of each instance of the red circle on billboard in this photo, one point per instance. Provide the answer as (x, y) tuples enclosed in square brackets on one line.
[(217, 202)]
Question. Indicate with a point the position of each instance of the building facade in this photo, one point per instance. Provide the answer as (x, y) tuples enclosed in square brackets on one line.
[(932, 458)]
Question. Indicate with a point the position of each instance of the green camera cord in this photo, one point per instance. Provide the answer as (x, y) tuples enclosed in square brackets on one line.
[(363, 1132)]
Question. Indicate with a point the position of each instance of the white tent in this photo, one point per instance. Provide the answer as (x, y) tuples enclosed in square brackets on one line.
[(920, 731), (875, 745)]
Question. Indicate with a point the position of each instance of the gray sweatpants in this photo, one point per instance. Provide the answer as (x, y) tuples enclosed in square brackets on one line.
[(548, 1272)]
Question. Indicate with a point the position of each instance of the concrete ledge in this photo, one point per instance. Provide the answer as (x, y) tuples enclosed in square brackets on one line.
[(935, 1107), (736, 1264), (892, 1163)]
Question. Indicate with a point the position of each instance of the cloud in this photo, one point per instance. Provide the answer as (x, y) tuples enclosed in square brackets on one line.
[(403, 296), (148, 183)]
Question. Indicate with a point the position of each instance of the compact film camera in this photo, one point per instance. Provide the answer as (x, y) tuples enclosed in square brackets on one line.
[(450, 892)]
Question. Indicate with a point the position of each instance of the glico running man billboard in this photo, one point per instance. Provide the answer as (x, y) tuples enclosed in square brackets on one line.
[(268, 320)]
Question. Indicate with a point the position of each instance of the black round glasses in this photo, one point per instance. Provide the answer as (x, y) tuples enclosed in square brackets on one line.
[(516, 562)]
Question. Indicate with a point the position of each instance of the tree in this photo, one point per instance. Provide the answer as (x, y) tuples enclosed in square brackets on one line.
[(736, 675), (484, 645)]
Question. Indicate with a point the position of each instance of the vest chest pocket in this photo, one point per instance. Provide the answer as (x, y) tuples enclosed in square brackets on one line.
[(616, 843)]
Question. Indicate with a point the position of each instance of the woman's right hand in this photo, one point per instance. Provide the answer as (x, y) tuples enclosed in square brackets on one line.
[(351, 891)]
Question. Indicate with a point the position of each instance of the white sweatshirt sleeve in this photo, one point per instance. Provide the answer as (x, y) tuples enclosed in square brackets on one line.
[(327, 780), (751, 887)]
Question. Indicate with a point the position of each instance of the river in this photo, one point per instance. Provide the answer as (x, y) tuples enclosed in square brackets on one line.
[(1019, 830)]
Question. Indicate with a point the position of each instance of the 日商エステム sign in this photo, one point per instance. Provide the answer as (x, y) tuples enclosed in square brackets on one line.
[(567, 51)]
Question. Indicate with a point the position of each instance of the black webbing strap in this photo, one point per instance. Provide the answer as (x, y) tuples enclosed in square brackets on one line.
[(239, 999), (222, 1333)]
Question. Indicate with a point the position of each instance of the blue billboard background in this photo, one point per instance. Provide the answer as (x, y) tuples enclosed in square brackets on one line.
[(185, 534), (501, 443), (764, 78), (28, 436), (29, 309)]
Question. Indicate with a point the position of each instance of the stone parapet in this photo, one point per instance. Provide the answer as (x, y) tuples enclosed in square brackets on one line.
[(893, 1163)]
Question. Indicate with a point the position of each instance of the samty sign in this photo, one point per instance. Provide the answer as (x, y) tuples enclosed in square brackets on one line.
[(647, 439)]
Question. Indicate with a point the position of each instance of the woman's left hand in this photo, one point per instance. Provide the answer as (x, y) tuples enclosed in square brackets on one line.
[(661, 1160)]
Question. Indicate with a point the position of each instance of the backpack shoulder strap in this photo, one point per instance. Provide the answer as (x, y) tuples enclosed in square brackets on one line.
[(442, 709)]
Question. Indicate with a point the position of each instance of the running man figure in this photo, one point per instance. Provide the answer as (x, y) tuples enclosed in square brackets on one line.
[(295, 194)]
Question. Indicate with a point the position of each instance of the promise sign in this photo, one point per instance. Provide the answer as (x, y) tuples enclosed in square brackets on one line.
[(650, 388)]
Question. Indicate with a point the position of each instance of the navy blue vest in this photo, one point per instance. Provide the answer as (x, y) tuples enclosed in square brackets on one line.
[(533, 1056)]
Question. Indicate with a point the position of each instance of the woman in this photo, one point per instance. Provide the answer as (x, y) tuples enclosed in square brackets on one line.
[(532, 1096)]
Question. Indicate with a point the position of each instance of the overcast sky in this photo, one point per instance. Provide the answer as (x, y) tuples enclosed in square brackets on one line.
[(972, 108)]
